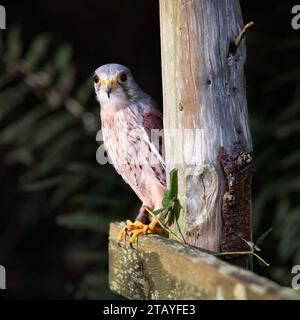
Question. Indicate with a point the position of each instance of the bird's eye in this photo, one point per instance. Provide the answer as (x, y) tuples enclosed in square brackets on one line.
[(96, 79), (123, 77)]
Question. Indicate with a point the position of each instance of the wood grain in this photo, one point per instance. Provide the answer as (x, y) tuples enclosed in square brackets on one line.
[(205, 109)]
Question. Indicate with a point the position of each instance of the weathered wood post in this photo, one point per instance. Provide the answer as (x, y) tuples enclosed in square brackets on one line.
[(206, 122)]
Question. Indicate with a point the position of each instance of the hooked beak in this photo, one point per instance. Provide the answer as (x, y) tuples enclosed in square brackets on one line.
[(108, 86), (108, 89)]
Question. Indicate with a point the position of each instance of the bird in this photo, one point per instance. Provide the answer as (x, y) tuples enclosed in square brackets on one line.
[(132, 131)]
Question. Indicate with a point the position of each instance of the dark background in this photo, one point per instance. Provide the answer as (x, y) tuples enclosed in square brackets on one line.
[(56, 201)]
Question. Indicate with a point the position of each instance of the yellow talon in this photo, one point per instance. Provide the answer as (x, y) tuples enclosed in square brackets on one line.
[(137, 228)]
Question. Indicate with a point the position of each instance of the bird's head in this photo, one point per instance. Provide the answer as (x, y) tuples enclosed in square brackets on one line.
[(114, 85)]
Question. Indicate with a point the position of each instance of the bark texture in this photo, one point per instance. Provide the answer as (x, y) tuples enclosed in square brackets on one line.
[(205, 119)]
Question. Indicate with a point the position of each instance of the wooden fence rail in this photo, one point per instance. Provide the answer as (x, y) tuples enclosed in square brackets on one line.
[(162, 268)]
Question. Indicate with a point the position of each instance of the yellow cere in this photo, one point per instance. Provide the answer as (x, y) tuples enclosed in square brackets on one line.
[(104, 83)]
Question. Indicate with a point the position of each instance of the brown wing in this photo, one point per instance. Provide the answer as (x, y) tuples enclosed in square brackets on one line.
[(153, 124), (153, 119)]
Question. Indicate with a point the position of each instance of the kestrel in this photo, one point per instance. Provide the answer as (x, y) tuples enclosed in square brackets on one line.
[(132, 134)]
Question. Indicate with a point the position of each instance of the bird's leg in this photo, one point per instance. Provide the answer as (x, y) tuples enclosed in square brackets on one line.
[(143, 215), (139, 227)]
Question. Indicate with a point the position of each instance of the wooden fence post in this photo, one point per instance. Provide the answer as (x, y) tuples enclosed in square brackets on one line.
[(206, 121)]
